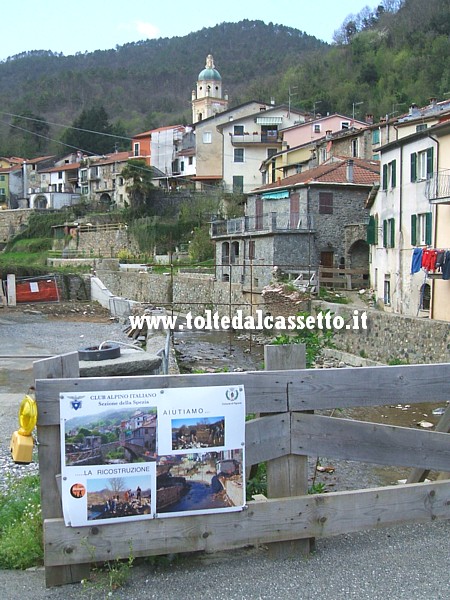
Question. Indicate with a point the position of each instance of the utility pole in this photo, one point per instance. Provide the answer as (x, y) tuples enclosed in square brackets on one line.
[(314, 109), (291, 94), (353, 112)]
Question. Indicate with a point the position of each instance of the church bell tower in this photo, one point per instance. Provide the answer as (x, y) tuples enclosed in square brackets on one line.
[(207, 98)]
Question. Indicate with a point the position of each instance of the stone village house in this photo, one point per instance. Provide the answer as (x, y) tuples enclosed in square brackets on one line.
[(314, 218)]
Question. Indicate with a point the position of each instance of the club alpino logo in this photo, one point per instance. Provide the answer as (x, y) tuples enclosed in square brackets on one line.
[(75, 402), (232, 394)]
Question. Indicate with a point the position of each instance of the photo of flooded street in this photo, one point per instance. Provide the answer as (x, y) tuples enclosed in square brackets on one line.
[(191, 482)]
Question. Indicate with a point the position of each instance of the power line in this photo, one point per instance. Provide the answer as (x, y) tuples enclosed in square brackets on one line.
[(47, 138), (65, 126)]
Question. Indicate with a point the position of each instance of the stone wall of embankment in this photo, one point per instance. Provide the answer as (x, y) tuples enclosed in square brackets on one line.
[(388, 338)]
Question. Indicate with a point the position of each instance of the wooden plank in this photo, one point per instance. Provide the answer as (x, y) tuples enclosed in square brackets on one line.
[(288, 475), (369, 442), (65, 365), (264, 392), (368, 386), (49, 436), (343, 271), (57, 367), (443, 426), (284, 519), (268, 391), (3, 299), (267, 438)]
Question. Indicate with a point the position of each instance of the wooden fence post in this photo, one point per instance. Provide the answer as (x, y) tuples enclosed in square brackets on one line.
[(56, 367), (288, 475)]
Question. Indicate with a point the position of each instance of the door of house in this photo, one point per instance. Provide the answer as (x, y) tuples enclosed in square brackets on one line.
[(326, 260)]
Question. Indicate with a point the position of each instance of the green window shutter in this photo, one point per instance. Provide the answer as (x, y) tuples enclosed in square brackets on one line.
[(413, 230), (394, 173), (413, 167), (385, 233), (385, 177), (371, 230), (392, 224), (430, 156), (376, 231), (428, 229)]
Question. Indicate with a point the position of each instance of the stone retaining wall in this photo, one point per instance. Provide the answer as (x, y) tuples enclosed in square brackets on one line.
[(389, 337), (392, 338), (74, 287), (12, 222)]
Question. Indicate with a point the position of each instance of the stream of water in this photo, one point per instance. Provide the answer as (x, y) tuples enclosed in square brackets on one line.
[(212, 351)]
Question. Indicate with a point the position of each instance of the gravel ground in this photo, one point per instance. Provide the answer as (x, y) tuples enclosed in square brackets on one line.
[(400, 563), (408, 562)]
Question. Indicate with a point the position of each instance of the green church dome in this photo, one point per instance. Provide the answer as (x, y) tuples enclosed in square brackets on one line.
[(209, 72)]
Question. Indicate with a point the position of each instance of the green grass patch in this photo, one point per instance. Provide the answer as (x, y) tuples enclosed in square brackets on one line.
[(331, 296), (21, 543), (34, 245), (23, 264)]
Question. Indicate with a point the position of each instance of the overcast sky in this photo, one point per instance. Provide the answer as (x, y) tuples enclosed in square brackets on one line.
[(88, 25)]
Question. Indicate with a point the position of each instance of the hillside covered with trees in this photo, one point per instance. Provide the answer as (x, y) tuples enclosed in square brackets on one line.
[(382, 60)]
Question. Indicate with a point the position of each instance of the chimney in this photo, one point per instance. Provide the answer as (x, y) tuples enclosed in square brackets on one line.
[(350, 170), (433, 102), (328, 134), (272, 101), (413, 109), (369, 119)]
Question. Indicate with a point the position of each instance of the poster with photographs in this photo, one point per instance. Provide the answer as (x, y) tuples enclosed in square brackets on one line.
[(108, 456), (201, 450), (140, 454)]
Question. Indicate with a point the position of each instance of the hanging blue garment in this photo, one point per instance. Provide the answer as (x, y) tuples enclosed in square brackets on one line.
[(446, 266), (416, 263)]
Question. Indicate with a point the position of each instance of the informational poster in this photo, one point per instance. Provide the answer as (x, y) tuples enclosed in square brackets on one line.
[(139, 454)]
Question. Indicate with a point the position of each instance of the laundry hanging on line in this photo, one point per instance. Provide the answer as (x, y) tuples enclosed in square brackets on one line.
[(431, 260)]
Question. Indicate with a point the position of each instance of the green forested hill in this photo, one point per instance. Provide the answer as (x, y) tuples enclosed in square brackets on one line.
[(383, 60)]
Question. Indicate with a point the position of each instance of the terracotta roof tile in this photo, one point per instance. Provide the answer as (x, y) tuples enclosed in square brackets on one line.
[(365, 172)]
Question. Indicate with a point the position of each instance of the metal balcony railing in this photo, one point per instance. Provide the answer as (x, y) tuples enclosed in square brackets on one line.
[(438, 186), (254, 138), (265, 223)]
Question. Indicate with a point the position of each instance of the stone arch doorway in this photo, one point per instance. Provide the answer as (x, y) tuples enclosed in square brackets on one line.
[(105, 200), (358, 255), (40, 202), (359, 258)]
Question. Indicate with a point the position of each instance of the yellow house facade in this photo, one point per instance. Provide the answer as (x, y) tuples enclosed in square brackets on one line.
[(440, 299)]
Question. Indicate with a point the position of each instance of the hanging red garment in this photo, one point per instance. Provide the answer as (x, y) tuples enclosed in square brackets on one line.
[(429, 260)]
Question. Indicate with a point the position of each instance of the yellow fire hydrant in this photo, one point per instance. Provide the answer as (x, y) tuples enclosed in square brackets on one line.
[(21, 445)]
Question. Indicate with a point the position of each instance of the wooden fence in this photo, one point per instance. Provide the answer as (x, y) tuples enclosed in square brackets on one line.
[(282, 435), (348, 279)]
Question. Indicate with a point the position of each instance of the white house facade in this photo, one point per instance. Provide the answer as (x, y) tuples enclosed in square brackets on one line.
[(402, 224)]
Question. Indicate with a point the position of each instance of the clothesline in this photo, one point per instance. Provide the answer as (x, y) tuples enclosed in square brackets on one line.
[(431, 260)]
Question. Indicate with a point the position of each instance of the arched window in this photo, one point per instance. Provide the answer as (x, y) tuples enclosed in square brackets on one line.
[(234, 251), (425, 296), (225, 253)]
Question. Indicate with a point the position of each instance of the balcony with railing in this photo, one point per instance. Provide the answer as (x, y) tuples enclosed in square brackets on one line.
[(255, 137), (438, 187), (262, 224)]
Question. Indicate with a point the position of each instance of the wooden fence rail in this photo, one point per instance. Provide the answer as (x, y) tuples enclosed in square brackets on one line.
[(348, 279), (285, 430)]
